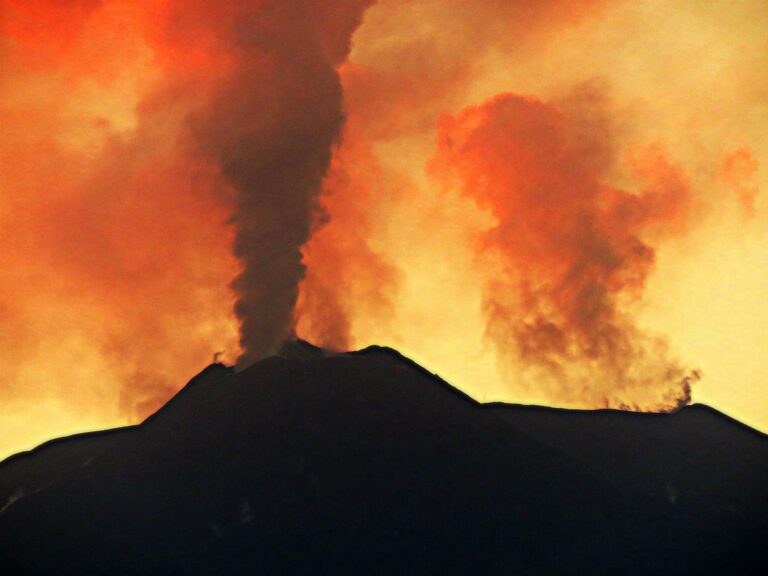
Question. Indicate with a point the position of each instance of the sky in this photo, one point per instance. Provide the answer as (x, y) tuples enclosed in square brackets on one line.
[(559, 203)]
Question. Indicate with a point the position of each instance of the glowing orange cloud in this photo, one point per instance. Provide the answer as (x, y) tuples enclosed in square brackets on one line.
[(569, 249), (106, 213), (346, 276)]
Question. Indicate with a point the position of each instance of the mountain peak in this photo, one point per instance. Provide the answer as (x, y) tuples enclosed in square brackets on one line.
[(366, 462)]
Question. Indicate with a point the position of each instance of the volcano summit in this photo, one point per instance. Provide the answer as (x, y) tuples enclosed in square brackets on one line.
[(364, 462)]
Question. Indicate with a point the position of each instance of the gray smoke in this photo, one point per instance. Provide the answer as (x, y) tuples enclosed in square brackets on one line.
[(271, 126)]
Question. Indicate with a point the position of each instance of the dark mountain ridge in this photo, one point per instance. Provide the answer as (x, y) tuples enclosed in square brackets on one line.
[(365, 462)]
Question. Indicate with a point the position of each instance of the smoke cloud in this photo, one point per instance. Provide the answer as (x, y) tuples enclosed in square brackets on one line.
[(569, 249)]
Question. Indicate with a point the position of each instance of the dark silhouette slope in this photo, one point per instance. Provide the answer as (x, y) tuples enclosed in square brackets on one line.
[(366, 463)]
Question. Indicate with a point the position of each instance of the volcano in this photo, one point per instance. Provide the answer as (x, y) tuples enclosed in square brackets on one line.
[(367, 463)]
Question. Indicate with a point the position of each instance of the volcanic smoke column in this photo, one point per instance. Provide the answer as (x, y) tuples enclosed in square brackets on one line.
[(270, 125)]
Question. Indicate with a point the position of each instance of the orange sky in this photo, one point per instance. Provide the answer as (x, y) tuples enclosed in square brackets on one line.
[(557, 202)]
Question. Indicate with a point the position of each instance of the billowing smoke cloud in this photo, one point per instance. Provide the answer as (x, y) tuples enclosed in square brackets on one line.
[(569, 250), (115, 254)]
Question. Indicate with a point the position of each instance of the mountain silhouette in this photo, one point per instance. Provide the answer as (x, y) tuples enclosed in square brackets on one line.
[(366, 463)]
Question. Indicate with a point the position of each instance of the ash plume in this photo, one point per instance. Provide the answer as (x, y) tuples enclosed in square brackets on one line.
[(270, 125)]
